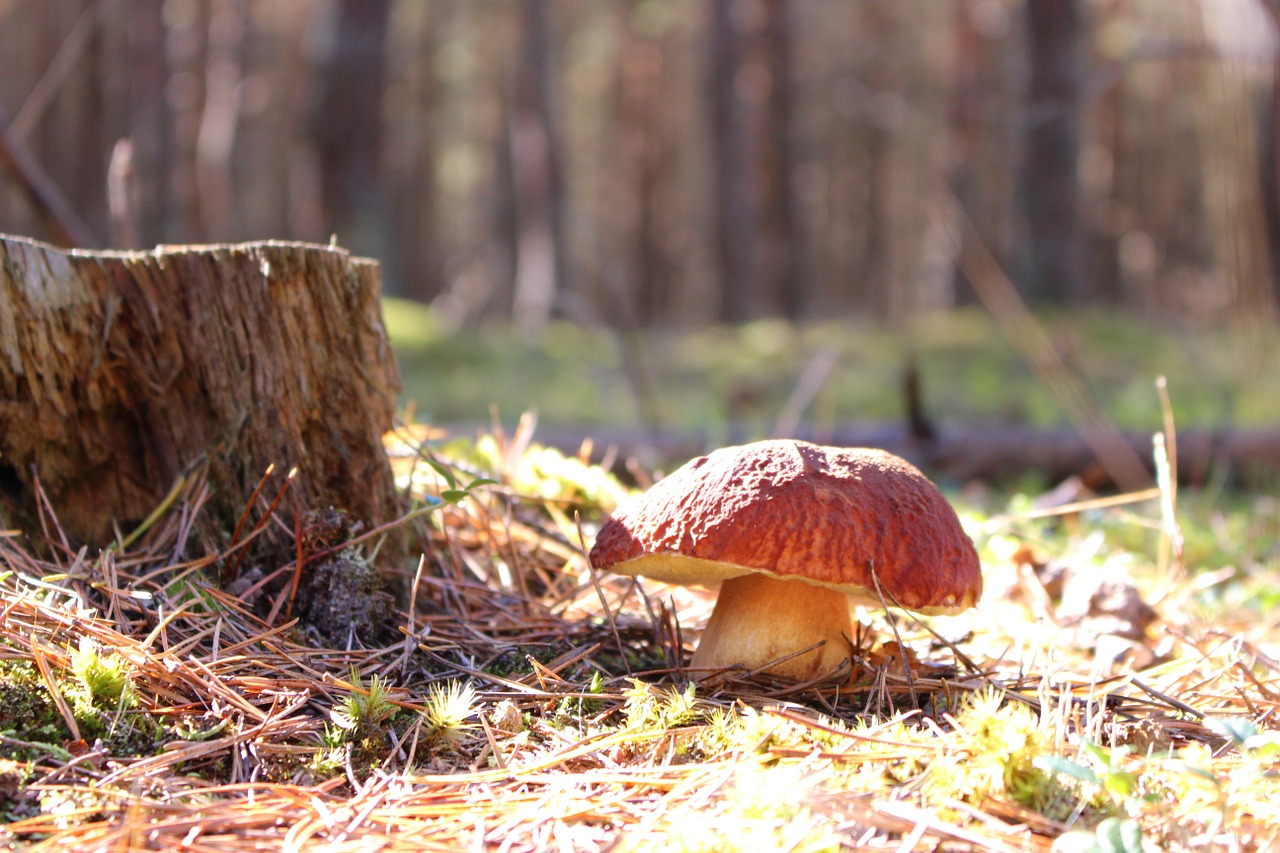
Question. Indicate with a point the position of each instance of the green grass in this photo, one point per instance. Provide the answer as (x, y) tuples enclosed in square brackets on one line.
[(738, 379)]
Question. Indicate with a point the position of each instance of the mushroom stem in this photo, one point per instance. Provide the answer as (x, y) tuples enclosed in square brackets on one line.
[(759, 618)]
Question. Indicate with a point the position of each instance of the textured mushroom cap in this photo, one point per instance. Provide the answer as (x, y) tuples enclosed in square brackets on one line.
[(792, 509)]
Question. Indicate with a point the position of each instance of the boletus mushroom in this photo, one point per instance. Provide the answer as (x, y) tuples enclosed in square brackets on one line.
[(796, 532)]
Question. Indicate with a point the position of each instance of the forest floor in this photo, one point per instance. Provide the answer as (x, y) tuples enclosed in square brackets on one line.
[(754, 379), (1115, 690)]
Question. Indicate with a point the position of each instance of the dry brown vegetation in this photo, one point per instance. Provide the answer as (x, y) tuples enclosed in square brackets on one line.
[(522, 703)]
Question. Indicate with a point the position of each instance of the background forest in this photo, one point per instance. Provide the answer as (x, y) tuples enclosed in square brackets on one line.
[(670, 161), (641, 165)]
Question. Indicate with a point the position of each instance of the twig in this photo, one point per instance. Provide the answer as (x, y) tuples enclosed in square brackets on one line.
[(1181, 706), (807, 387), (234, 571), (604, 604), (902, 650), (299, 560)]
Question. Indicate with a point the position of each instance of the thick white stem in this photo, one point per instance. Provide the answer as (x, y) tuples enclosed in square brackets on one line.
[(760, 618)]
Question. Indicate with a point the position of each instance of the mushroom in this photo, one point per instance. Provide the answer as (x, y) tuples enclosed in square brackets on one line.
[(795, 531)]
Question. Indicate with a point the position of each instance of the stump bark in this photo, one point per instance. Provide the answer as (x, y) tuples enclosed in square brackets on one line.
[(122, 371)]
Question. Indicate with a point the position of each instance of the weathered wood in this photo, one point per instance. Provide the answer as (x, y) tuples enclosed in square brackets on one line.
[(121, 371)]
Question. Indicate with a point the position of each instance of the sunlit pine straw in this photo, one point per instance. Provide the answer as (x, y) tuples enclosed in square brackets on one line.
[(230, 744)]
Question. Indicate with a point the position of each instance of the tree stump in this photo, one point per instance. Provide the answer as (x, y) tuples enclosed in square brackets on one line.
[(122, 371)]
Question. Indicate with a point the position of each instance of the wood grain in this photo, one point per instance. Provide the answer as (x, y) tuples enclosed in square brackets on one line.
[(121, 371)]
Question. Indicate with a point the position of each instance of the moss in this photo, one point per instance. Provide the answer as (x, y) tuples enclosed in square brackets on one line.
[(515, 661), (16, 802), (345, 596), (30, 714)]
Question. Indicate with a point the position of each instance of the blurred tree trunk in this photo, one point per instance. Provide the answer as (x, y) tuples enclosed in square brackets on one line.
[(782, 249), (503, 220), (640, 272), (184, 92), (346, 123), (1234, 198), (415, 151), (967, 128), (881, 276), (1109, 127), (75, 120), (734, 204), (839, 137), (542, 269), (1049, 191), (219, 121), (1269, 157), (149, 120), (877, 279)]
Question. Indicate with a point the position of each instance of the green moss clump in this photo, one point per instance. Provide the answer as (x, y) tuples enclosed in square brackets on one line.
[(30, 714)]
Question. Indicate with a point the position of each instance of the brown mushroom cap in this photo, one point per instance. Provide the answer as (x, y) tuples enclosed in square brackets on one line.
[(794, 510)]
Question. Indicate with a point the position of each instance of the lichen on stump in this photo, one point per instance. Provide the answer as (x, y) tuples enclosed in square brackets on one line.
[(122, 371)]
